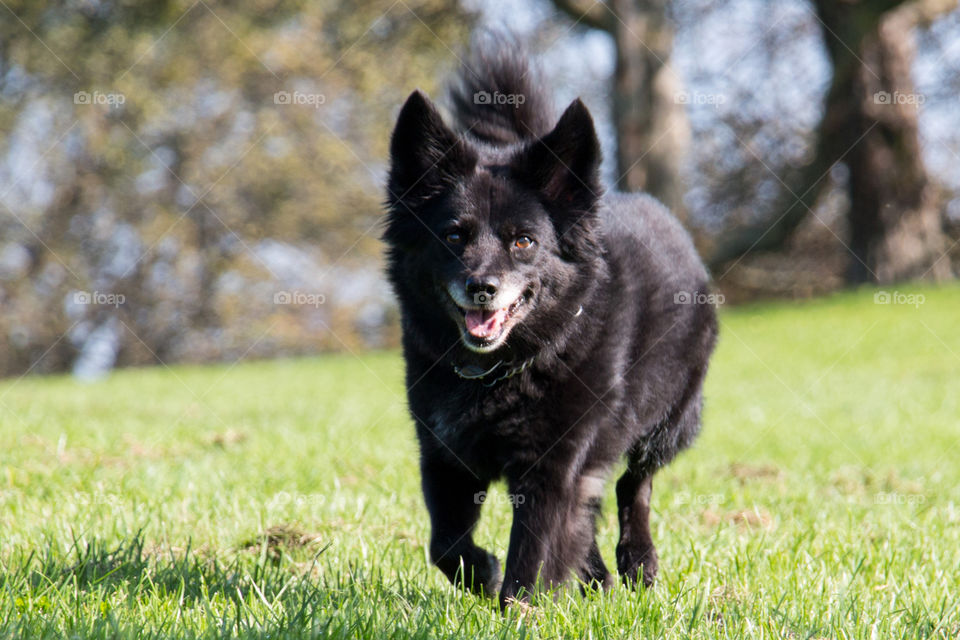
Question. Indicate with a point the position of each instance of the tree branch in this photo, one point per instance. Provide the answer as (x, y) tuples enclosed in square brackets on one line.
[(595, 16), (790, 209)]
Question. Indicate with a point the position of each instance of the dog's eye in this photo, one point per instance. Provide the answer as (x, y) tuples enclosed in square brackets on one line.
[(454, 237), (523, 242)]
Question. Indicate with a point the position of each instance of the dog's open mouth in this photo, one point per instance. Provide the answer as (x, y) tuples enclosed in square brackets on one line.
[(487, 326)]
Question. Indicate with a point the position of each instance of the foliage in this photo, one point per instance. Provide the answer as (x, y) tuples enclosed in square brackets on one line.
[(199, 158)]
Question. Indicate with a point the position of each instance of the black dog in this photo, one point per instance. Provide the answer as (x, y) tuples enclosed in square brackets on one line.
[(547, 330)]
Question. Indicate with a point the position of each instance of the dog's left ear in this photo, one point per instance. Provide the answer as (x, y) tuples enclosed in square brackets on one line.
[(425, 154), (563, 166)]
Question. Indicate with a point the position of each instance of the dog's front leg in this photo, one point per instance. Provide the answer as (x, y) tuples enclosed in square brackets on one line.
[(454, 496), (542, 508)]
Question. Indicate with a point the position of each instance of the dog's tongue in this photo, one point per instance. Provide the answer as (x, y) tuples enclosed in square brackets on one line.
[(483, 324)]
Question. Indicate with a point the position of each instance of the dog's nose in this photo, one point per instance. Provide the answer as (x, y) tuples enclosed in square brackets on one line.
[(483, 285)]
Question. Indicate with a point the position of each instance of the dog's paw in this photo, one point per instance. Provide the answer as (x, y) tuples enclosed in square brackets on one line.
[(637, 565), (482, 574), (519, 600), (491, 577), (599, 582)]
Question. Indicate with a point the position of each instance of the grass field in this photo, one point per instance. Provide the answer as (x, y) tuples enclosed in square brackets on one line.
[(281, 499)]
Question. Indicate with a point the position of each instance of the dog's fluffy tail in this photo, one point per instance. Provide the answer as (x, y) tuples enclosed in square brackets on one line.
[(497, 97)]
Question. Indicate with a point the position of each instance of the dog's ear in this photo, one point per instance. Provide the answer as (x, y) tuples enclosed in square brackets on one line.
[(425, 154), (563, 166)]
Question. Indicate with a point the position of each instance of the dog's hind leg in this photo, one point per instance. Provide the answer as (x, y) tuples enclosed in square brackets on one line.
[(454, 497), (635, 551), (593, 571), (636, 554)]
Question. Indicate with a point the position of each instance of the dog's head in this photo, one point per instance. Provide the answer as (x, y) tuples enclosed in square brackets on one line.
[(489, 235)]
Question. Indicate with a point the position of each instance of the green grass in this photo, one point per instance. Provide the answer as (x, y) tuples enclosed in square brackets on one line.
[(281, 499)]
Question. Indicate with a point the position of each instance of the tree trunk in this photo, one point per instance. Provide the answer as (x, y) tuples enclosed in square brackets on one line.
[(869, 124), (895, 215), (650, 120)]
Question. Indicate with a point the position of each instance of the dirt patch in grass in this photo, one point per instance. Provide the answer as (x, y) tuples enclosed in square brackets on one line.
[(750, 518), (857, 480), (281, 539), (228, 438), (742, 472)]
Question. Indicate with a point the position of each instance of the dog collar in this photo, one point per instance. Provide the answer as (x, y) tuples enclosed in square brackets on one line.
[(473, 372)]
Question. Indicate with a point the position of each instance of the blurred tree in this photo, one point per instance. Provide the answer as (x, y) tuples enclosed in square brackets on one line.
[(197, 158), (647, 98), (895, 213)]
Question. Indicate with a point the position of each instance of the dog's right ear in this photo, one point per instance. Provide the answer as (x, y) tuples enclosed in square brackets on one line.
[(564, 164), (425, 154)]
